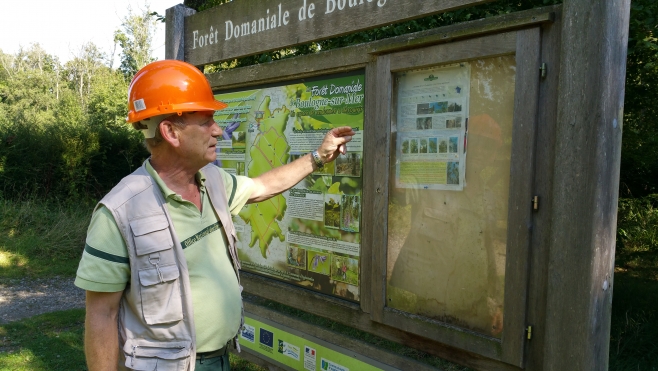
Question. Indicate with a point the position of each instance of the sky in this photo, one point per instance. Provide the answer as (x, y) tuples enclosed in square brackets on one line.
[(61, 27)]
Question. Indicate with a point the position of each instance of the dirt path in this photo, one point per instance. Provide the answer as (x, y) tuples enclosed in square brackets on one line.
[(23, 298)]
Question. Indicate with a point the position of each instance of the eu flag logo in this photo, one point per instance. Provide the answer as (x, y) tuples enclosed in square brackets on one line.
[(266, 338)]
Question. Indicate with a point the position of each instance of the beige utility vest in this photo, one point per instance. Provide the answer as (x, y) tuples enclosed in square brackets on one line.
[(156, 322)]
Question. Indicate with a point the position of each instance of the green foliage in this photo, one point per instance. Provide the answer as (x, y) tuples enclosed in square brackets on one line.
[(201, 5), (135, 40), (637, 236), (639, 161), (62, 128)]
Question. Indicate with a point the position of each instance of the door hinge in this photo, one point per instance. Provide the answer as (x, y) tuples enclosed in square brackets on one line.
[(535, 203), (528, 331), (542, 70)]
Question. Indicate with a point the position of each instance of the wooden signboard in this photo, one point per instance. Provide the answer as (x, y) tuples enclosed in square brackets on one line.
[(504, 261), (242, 28)]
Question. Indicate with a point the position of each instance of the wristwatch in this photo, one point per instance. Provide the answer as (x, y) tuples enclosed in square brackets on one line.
[(317, 159)]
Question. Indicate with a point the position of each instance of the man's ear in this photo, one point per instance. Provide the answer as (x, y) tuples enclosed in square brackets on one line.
[(170, 133)]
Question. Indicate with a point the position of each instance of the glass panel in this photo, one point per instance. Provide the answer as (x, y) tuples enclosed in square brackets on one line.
[(310, 235), (448, 203)]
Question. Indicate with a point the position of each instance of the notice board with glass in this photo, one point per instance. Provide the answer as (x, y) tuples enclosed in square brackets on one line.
[(458, 194), (423, 226), (310, 235)]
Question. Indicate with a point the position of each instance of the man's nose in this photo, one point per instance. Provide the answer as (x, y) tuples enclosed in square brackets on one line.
[(217, 130)]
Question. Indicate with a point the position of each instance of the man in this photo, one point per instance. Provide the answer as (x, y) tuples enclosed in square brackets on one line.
[(160, 265)]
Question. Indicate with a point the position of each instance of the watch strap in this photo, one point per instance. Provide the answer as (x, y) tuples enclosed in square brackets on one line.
[(317, 159)]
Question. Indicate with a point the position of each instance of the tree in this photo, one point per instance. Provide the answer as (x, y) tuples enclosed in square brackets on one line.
[(80, 70), (62, 128), (28, 85), (135, 40), (639, 154)]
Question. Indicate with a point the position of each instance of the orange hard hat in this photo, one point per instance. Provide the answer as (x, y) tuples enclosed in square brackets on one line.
[(168, 87)]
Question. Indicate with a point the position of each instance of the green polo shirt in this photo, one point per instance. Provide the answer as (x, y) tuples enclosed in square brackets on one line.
[(105, 265)]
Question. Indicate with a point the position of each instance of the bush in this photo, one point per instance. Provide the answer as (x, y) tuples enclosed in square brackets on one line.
[(63, 134)]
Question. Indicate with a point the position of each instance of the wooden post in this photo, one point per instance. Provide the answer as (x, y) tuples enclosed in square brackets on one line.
[(586, 177), (175, 31)]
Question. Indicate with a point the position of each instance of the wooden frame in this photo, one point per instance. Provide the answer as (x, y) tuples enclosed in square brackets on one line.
[(526, 45), (242, 28), (495, 36)]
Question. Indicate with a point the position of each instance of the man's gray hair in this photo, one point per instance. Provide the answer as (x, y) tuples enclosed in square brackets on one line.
[(151, 129)]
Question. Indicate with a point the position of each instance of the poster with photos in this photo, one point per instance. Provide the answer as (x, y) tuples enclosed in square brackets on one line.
[(432, 122), (310, 235)]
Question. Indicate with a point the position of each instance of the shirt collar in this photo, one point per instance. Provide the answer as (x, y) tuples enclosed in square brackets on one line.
[(166, 191)]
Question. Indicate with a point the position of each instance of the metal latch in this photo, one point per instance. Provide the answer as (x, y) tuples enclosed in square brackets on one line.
[(542, 70), (528, 330), (535, 203)]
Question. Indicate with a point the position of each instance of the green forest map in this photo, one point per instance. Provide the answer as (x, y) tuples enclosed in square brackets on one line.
[(265, 114), (268, 151)]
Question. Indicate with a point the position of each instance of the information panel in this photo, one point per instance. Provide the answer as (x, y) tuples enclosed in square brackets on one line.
[(447, 249), (294, 350), (432, 119), (309, 235)]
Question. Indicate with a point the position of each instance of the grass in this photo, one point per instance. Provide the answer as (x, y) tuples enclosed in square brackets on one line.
[(54, 342), (635, 301), (634, 324), (50, 341), (43, 241)]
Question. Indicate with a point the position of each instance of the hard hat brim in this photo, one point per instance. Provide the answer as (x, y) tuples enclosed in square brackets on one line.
[(180, 108)]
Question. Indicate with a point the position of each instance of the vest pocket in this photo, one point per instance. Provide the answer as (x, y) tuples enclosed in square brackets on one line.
[(151, 234), (161, 297), (157, 356)]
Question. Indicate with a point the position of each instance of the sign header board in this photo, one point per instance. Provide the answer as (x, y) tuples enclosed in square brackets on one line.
[(241, 27)]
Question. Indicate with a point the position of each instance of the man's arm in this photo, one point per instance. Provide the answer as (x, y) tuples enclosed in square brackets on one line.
[(282, 178), (101, 334)]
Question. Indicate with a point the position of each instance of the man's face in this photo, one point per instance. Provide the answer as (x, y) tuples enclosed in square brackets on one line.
[(198, 139)]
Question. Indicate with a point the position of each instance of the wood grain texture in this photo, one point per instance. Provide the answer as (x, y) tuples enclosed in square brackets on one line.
[(526, 43), (443, 333), (327, 21), (354, 57), (351, 58), (543, 185), (484, 46), (368, 190), (585, 189), (174, 30), (521, 189), (379, 144), (339, 60)]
